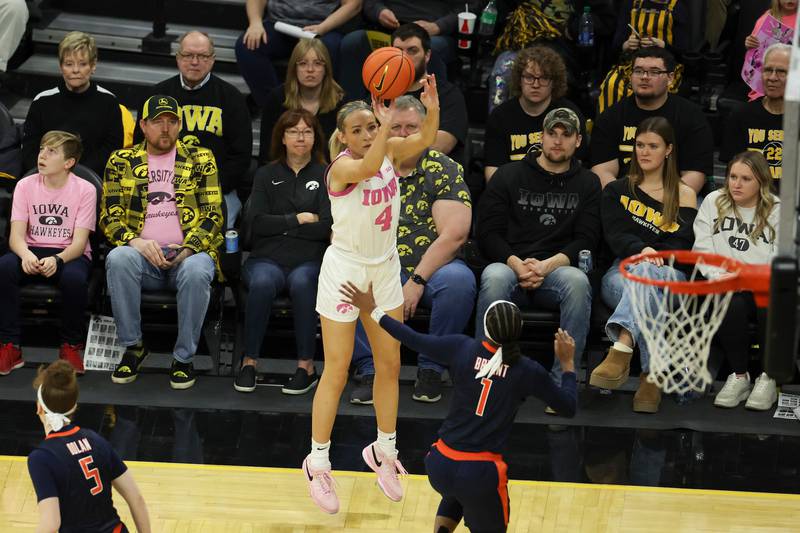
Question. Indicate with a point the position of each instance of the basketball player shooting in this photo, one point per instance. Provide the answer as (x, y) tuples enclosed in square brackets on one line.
[(365, 206), (490, 381)]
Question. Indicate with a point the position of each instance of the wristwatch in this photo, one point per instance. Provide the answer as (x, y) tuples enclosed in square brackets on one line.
[(419, 280), (59, 262)]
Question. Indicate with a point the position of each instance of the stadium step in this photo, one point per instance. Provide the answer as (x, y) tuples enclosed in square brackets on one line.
[(112, 33)]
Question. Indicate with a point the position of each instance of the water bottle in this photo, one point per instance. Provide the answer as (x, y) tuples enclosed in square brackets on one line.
[(585, 261), (586, 29), (488, 19)]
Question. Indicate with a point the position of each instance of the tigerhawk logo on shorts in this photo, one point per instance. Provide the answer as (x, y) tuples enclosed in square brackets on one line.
[(344, 308)]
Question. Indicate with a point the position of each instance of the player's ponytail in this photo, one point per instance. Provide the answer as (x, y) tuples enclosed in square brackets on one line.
[(57, 388), (502, 324)]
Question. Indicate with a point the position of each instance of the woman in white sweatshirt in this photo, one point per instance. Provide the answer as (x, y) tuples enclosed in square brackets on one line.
[(740, 220)]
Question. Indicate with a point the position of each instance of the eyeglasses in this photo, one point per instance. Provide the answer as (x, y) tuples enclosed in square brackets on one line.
[(531, 80), (652, 73), (314, 65), (778, 72), (299, 133), (191, 57)]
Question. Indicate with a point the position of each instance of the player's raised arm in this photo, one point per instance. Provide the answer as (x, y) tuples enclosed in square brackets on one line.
[(401, 148), (439, 348)]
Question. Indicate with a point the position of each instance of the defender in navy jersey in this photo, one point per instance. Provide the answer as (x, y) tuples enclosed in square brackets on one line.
[(73, 469), (490, 380)]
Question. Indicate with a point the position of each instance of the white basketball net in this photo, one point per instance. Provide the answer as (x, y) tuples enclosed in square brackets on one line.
[(678, 329)]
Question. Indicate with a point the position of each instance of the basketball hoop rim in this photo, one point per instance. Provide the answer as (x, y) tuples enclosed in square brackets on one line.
[(754, 278)]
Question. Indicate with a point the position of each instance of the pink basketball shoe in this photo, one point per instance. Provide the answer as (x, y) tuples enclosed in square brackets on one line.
[(321, 488), (388, 469)]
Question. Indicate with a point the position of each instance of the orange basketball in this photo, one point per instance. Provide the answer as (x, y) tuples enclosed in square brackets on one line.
[(388, 73)]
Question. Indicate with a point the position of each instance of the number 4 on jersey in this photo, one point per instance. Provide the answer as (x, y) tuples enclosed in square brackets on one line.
[(91, 474), (384, 220), (486, 386)]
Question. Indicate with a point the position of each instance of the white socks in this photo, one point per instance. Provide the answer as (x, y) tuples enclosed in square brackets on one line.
[(387, 443), (618, 346), (318, 458)]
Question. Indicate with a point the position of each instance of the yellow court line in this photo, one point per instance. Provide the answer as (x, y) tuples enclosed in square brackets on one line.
[(528, 483)]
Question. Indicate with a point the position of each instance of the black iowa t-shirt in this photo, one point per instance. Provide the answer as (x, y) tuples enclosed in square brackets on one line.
[(511, 132), (614, 134), (752, 127)]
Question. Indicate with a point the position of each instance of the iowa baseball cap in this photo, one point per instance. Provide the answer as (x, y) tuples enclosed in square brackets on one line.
[(564, 117), (158, 105)]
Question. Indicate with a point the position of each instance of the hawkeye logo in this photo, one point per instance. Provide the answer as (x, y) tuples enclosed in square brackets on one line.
[(50, 220), (379, 85), (163, 101)]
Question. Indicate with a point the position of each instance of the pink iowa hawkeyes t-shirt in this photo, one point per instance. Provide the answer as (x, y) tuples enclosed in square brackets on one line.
[(53, 214), (161, 222)]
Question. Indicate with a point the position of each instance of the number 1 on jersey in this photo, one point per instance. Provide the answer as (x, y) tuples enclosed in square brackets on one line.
[(384, 220), (91, 474), (486, 386)]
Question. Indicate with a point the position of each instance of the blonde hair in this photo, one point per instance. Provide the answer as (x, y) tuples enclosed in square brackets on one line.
[(670, 176), (69, 142), (766, 201), (331, 93), (75, 42), (335, 146), (775, 9)]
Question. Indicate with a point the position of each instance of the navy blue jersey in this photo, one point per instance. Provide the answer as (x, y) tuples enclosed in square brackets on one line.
[(77, 466), (483, 410)]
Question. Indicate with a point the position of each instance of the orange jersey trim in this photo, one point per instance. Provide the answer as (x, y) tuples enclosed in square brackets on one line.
[(63, 433)]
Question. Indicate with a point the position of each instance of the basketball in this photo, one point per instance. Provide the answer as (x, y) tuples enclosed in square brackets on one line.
[(388, 73)]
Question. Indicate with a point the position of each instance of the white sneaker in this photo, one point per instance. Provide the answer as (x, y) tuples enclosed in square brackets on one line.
[(764, 394), (736, 390)]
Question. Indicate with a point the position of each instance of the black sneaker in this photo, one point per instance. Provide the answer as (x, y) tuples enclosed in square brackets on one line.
[(181, 376), (362, 393), (128, 368), (428, 387), (246, 379), (301, 382)]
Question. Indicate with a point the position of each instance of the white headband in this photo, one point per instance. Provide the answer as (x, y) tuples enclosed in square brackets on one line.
[(497, 359), (56, 421)]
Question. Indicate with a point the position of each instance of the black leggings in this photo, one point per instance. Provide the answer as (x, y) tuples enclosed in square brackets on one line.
[(734, 337)]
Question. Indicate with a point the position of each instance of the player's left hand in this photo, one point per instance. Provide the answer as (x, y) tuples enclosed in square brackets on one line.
[(430, 95), (382, 112), (412, 294), (365, 301)]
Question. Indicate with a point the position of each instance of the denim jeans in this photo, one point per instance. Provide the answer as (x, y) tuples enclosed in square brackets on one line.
[(233, 205), (449, 294), (256, 65), (128, 273), (72, 280), (355, 48), (265, 279), (612, 290), (565, 289)]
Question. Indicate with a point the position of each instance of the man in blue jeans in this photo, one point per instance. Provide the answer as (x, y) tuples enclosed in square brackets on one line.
[(162, 209), (536, 215), (435, 217)]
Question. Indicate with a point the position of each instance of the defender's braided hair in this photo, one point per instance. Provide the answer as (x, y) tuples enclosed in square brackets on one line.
[(504, 326)]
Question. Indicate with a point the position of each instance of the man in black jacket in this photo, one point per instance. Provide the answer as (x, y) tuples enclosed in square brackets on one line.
[(214, 114), (535, 217)]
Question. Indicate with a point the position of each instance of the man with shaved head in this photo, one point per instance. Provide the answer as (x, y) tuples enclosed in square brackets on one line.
[(214, 114)]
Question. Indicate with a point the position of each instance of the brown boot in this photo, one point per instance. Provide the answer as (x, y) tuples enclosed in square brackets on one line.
[(647, 397), (613, 371)]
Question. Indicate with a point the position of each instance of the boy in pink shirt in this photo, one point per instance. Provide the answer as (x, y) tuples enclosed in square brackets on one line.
[(52, 216)]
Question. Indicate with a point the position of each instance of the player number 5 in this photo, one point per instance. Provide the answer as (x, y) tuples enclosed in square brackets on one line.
[(486, 386), (91, 474)]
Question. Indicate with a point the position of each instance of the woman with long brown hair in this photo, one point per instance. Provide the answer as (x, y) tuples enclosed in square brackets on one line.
[(287, 227), (740, 220), (650, 210), (309, 85)]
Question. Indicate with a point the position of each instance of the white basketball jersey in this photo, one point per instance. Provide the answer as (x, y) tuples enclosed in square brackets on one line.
[(365, 216)]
